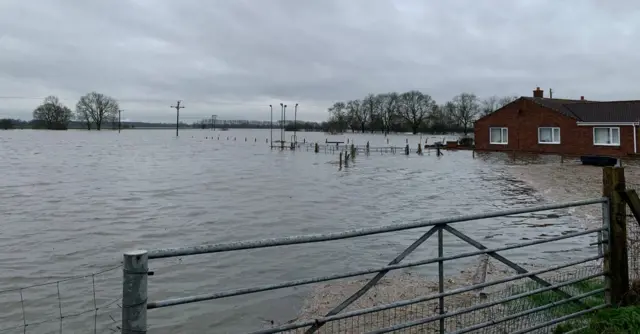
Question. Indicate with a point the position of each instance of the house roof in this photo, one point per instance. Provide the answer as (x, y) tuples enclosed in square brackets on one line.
[(593, 111)]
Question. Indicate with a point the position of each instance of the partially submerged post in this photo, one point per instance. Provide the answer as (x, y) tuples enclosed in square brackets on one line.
[(406, 149), (316, 148), (419, 148), (134, 292), (340, 163), (615, 253), (367, 149), (353, 151)]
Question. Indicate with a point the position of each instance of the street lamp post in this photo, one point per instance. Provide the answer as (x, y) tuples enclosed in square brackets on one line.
[(281, 118), (284, 121), (271, 127), (295, 125)]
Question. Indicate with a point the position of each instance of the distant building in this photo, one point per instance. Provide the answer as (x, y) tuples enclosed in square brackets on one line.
[(570, 127)]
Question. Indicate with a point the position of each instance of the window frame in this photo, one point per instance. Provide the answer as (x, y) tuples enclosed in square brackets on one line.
[(610, 128), (504, 135), (553, 142)]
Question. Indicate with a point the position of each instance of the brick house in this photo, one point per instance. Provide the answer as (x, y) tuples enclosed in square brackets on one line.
[(569, 127)]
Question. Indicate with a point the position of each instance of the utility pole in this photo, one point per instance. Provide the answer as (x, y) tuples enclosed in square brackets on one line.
[(120, 119), (178, 107), (213, 122)]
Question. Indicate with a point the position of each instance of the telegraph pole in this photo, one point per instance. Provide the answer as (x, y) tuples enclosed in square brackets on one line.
[(120, 119), (178, 107)]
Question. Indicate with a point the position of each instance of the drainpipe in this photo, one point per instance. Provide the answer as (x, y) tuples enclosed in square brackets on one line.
[(635, 141)]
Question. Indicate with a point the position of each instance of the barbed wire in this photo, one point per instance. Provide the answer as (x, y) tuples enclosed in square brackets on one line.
[(62, 316)]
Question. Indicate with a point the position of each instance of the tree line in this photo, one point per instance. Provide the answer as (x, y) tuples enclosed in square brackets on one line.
[(412, 111), (93, 110)]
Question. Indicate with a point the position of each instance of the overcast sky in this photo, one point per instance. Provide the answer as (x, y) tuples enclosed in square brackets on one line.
[(235, 57)]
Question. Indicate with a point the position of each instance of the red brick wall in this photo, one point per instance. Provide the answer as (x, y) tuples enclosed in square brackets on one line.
[(523, 117)]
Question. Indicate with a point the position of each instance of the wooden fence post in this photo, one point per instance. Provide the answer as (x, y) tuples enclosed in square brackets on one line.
[(615, 260)]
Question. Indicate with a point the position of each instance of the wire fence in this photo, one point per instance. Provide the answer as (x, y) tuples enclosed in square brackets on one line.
[(508, 309), (87, 303), (633, 239)]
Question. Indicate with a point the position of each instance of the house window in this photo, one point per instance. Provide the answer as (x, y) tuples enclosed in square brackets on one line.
[(548, 135), (606, 136), (499, 136)]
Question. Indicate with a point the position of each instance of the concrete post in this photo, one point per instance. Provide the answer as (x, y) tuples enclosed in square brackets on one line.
[(134, 292)]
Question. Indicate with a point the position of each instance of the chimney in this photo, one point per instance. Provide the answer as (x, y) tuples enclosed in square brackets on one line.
[(581, 98), (538, 92)]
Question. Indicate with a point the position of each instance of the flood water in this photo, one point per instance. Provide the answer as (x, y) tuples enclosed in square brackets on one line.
[(72, 202)]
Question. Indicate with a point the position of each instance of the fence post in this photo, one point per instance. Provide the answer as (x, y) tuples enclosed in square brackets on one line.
[(615, 260), (441, 277), (134, 292)]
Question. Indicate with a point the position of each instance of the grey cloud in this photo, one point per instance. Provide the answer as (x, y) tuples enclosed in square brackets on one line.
[(235, 57)]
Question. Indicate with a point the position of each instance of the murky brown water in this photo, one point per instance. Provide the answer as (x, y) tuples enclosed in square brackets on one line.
[(72, 202)]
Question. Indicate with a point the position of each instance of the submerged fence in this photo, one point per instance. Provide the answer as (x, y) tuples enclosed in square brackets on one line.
[(566, 300)]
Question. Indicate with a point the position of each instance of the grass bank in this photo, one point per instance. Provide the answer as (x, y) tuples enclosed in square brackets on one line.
[(604, 321)]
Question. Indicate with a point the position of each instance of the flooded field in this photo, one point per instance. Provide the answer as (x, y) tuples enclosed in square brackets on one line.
[(72, 202)]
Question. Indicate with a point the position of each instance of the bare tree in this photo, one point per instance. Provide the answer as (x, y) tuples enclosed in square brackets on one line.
[(83, 115), (338, 115), (370, 106), (489, 105), (503, 101), (53, 114), (466, 110), (441, 120), (97, 108), (388, 109), (415, 107), (354, 114)]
